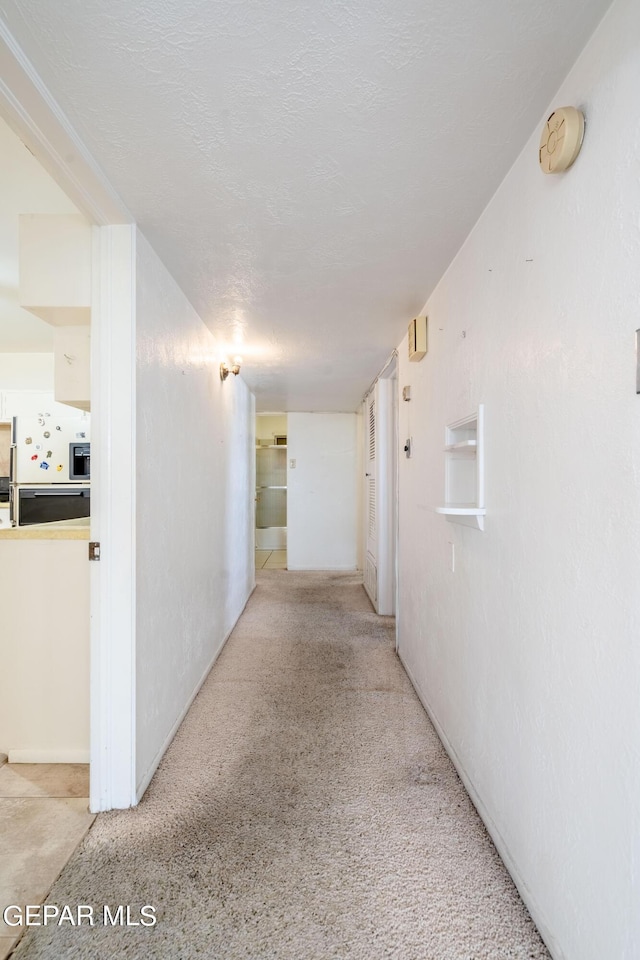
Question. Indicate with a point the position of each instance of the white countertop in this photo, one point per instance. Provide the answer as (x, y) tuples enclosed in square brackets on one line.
[(62, 530)]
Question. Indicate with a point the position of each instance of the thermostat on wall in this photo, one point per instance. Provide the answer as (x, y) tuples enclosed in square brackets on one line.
[(417, 338)]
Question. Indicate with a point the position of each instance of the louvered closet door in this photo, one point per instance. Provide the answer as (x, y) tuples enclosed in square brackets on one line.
[(371, 518)]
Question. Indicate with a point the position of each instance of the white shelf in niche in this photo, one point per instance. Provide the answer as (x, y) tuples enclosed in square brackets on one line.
[(470, 445), (464, 471)]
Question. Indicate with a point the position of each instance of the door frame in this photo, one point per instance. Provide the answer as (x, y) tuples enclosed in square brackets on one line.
[(384, 389), (387, 468), (32, 113), (113, 520)]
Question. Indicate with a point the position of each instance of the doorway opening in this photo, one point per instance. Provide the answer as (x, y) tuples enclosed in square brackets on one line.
[(45, 498), (271, 491), (45, 484)]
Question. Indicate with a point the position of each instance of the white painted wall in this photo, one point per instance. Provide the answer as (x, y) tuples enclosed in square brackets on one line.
[(26, 371), (44, 669), (322, 494), (195, 481), (113, 518), (528, 656), (270, 425)]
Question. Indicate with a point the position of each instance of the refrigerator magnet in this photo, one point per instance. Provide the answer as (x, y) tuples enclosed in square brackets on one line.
[(28, 440), (35, 456), (44, 465)]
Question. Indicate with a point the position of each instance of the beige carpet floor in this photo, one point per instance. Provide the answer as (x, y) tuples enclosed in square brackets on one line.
[(306, 810)]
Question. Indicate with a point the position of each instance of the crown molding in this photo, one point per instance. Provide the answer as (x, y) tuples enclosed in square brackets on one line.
[(33, 114)]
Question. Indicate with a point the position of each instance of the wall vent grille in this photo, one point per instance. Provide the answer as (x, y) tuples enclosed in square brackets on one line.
[(371, 578), (372, 508), (372, 430)]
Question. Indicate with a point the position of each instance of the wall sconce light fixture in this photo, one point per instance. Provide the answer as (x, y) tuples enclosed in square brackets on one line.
[(226, 368)]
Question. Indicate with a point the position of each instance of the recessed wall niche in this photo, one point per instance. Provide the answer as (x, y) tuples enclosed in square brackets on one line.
[(464, 471)]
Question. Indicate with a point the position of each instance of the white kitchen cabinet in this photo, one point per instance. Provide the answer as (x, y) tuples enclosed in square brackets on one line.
[(72, 366), (44, 625), (30, 403), (55, 285), (55, 267)]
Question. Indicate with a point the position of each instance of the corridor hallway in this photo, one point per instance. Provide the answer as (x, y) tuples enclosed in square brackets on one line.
[(305, 811)]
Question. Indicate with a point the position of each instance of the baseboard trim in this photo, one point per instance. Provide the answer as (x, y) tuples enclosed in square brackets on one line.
[(147, 778), (529, 900), (48, 756)]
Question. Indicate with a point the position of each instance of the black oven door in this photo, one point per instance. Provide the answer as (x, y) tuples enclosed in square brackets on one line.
[(52, 504)]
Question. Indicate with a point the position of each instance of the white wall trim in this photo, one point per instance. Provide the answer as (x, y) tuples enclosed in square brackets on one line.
[(48, 756), (396, 507), (113, 518), (148, 775), (36, 118), (385, 492), (499, 841), (385, 468), (386, 371), (390, 372)]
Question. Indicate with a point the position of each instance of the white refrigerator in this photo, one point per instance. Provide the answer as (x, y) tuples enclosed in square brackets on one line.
[(50, 468)]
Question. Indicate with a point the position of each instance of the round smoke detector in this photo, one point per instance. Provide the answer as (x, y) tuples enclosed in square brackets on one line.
[(561, 139)]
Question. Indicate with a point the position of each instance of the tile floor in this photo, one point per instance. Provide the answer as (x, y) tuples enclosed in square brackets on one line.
[(271, 559), (43, 817)]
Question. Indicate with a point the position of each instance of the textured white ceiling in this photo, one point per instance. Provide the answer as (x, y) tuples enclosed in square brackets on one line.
[(305, 168)]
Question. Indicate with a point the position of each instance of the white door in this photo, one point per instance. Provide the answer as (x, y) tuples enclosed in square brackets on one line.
[(371, 536)]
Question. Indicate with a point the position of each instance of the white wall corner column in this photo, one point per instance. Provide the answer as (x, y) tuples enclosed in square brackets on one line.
[(113, 521)]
